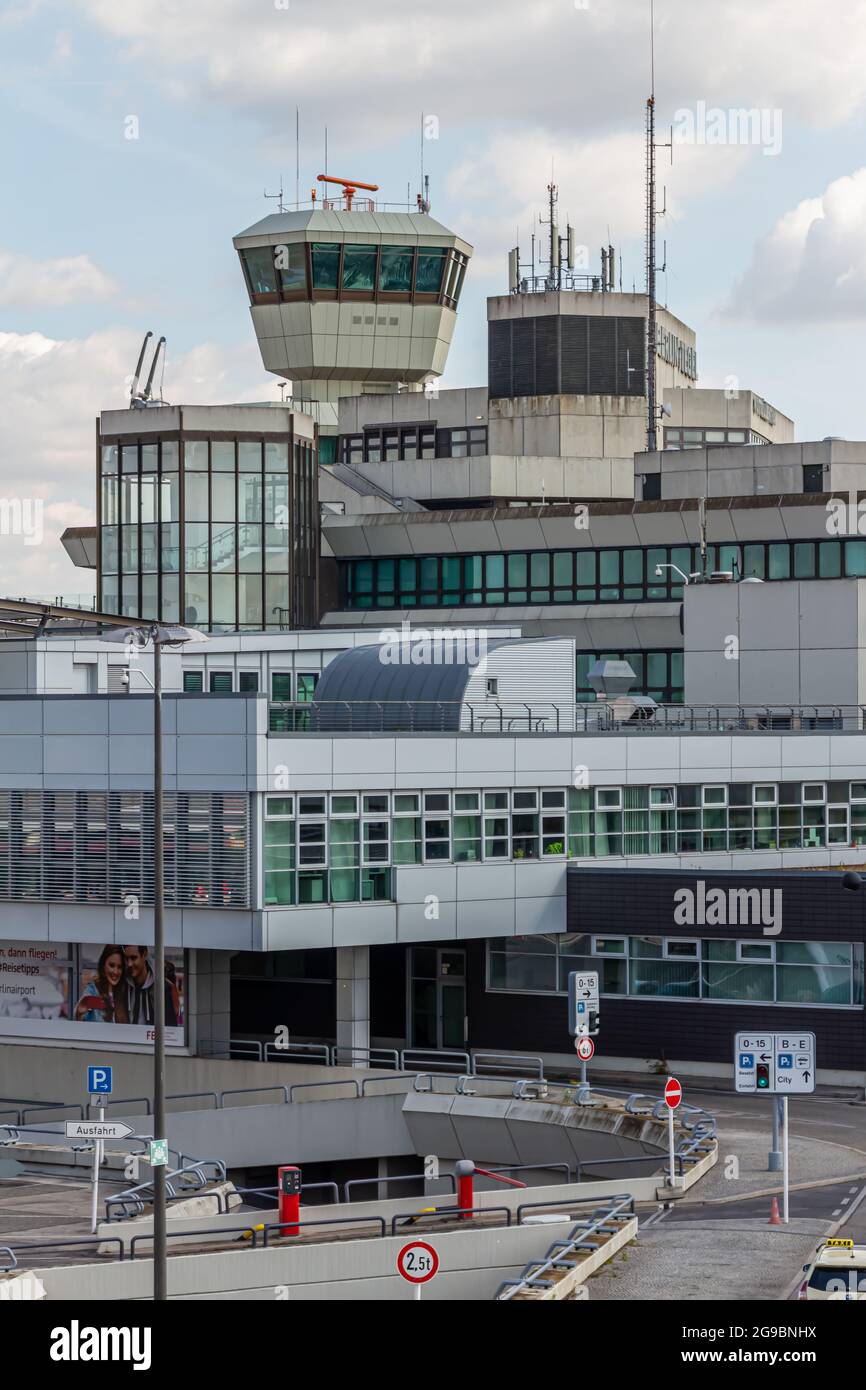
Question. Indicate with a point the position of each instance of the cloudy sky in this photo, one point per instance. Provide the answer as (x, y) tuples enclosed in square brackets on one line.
[(104, 236)]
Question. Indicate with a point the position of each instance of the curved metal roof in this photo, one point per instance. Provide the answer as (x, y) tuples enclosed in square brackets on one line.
[(366, 687)]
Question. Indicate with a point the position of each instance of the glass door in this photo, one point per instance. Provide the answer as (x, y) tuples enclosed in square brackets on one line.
[(437, 998)]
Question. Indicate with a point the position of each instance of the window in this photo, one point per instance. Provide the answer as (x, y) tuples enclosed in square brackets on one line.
[(428, 276), (193, 682), (395, 269), (281, 685), (813, 477), (326, 265), (259, 267), (291, 262), (248, 681), (679, 949), (220, 682), (359, 268)]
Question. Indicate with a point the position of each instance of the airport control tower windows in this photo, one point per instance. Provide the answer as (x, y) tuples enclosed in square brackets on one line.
[(395, 269), (326, 265), (428, 277), (259, 264), (291, 262), (359, 268)]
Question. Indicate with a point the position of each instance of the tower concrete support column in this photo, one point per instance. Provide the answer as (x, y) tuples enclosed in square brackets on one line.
[(353, 1004)]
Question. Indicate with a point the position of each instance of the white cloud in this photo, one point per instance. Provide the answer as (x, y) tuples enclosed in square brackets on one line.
[(500, 187), (369, 70), (39, 284), (811, 268), (51, 391)]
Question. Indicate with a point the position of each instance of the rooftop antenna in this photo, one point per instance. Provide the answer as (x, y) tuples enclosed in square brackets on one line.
[(651, 266), (297, 156), (281, 207)]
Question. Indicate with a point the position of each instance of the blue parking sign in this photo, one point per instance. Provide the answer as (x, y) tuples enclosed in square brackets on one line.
[(747, 1061), (786, 1060), (99, 1081)]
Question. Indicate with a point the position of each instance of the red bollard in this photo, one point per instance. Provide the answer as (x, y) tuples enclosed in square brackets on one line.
[(464, 1171), (289, 1196)]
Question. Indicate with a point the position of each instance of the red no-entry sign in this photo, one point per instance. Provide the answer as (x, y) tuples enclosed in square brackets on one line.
[(673, 1093), (417, 1262)]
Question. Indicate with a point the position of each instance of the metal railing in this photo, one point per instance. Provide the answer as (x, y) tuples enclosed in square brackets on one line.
[(420, 716), (586, 1236), (543, 717)]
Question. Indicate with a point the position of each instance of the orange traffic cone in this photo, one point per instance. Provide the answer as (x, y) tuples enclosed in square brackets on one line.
[(775, 1218)]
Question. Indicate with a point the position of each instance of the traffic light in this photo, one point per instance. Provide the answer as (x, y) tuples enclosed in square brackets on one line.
[(763, 1077)]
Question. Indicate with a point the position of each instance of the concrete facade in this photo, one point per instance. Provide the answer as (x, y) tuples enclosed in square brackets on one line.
[(797, 643)]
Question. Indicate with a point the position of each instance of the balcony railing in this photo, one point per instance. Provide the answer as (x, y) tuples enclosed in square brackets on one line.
[(515, 717)]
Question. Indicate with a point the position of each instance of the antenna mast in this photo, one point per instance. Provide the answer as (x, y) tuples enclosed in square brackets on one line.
[(652, 268)]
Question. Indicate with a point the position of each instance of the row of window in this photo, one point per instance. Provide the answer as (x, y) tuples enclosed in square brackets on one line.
[(242, 455), (286, 686), (650, 967), (217, 602), (328, 269), (583, 576), (346, 833), (97, 847), (406, 443), (699, 439)]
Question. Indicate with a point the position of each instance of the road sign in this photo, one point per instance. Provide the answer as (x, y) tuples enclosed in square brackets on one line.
[(585, 1048), (417, 1262), (99, 1081), (673, 1093), (158, 1153), (97, 1129), (781, 1064), (583, 1007)]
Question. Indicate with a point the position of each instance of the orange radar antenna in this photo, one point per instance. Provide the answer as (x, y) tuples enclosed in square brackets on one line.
[(351, 186)]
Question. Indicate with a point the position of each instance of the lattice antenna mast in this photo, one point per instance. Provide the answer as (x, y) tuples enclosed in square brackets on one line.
[(652, 267)]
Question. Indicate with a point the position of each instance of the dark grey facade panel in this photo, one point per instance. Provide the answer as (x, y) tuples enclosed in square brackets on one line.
[(571, 354)]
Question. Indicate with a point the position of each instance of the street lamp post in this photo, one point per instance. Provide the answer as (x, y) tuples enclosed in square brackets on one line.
[(136, 639)]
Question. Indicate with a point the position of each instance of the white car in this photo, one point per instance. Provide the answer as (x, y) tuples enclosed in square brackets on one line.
[(837, 1271)]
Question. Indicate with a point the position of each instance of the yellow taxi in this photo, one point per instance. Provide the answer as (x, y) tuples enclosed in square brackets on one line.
[(836, 1271)]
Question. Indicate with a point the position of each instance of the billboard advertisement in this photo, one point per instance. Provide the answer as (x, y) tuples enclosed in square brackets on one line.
[(88, 992)]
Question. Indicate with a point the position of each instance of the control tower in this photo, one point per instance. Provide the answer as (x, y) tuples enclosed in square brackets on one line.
[(349, 297)]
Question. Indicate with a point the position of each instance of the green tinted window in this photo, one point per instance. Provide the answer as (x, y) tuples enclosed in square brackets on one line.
[(779, 561), (326, 265), (291, 262), (359, 268), (428, 279), (395, 269), (804, 560), (855, 559), (261, 274)]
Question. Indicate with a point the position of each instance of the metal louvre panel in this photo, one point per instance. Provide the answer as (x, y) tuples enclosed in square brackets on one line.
[(547, 355), (98, 847), (631, 353), (499, 358), (575, 355), (602, 357), (523, 357)]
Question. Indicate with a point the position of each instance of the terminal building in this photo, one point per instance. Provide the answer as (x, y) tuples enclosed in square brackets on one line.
[(488, 685)]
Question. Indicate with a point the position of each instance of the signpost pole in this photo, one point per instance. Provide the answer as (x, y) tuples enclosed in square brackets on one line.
[(785, 1170), (94, 1196), (583, 1073), (774, 1158), (671, 1146)]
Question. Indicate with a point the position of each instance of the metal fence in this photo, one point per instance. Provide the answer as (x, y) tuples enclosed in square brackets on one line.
[(514, 717)]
